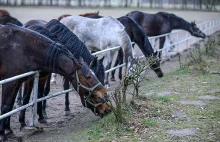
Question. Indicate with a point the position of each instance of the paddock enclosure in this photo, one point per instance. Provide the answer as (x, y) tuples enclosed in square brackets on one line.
[(82, 116)]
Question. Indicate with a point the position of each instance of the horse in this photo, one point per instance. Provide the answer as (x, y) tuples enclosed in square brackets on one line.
[(137, 35), (5, 19), (30, 51), (101, 34), (162, 23), (59, 33), (4, 12), (62, 16)]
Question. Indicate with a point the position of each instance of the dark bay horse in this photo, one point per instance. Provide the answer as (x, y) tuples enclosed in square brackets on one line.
[(59, 33), (162, 23), (23, 50), (137, 35), (6, 19)]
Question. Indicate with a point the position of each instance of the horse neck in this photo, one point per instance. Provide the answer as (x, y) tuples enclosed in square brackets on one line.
[(179, 23), (141, 39), (59, 64)]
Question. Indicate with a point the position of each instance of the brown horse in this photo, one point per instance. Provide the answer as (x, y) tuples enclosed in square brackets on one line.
[(62, 16), (77, 48), (23, 50), (88, 14), (83, 15), (4, 12)]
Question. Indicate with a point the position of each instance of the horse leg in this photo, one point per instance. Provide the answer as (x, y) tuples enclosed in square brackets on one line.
[(116, 63), (41, 85), (28, 85), (121, 56), (162, 41), (46, 92), (66, 86), (19, 98), (53, 78), (107, 75), (8, 129), (9, 92)]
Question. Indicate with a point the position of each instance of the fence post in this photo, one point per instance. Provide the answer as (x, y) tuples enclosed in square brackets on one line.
[(34, 100)]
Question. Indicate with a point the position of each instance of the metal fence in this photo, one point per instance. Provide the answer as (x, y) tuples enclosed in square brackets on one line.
[(208, 27)]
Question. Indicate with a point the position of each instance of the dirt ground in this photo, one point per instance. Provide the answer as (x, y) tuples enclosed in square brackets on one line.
[(58, 125)]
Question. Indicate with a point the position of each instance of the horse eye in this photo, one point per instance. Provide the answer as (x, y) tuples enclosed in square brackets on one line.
[(88, 77)]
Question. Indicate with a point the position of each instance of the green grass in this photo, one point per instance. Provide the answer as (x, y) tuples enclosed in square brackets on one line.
[(150, 120)]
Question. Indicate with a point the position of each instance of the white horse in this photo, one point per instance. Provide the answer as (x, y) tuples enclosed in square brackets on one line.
[(100, 34)]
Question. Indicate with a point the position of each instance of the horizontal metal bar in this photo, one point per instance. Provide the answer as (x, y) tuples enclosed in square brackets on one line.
[(115, 68), (18, 77), (30, 104), (16, 110), (55, 94), (99, 52)]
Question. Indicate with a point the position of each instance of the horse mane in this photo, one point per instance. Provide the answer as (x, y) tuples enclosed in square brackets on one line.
[(44, 32), (70, 40), (63, 16), (88, 14), (150, 50), (173, 16), (127, 47), (4, 12)]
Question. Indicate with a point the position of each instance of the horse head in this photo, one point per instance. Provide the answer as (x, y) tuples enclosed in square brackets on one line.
[(195, 31), (155, 64), (96, 94)]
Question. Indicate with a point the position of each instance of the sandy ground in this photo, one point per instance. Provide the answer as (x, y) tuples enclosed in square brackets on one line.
[(58, 125)]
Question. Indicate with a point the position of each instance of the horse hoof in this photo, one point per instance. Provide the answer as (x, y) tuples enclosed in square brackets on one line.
[(45, 115), (67, 113), (8, 131), (42, 120), (3, 138), (113, 79)]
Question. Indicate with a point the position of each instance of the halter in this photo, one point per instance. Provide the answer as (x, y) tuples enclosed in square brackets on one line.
[(88, 98)]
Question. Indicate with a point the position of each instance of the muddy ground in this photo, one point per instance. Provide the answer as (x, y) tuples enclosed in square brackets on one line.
[(58, 125)]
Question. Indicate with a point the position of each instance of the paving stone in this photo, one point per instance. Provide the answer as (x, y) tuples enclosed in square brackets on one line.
[(213, 91), (179, 115), (183, 132), (196, 103), (167, 93), (208, 97)]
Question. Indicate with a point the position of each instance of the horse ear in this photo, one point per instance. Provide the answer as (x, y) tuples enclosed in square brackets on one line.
[(156, 53), (94, 62), (101, 60), (97, 12), (76, 64)]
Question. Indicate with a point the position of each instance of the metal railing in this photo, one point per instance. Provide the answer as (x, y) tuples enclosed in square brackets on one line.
[(208, 27)]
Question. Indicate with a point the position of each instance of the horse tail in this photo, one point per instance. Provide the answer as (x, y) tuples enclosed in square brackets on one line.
[(126, 45), (148, 50)]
